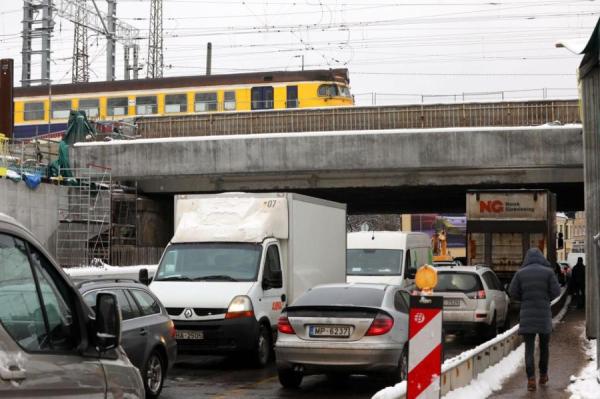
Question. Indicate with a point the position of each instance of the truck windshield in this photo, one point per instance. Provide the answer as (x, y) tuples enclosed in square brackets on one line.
[(210, 262), (374, 262)]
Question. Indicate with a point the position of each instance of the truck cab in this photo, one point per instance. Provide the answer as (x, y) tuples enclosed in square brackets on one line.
[(388, 257), (236, 260)]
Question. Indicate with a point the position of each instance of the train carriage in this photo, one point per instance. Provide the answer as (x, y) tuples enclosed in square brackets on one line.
[(40, 110)]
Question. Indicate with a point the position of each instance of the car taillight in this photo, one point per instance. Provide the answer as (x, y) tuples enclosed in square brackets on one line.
[(284, 326), (477, 295), (382, 324), (172, 330)]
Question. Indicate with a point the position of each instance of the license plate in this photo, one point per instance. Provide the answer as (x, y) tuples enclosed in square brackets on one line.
[(179, 334), (329, 331), (451, 302)]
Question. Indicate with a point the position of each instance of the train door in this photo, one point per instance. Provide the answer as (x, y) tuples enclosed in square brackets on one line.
[(292, 97), (262, 97)]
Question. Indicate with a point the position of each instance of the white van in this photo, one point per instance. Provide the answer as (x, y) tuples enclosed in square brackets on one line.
[(390, 257)]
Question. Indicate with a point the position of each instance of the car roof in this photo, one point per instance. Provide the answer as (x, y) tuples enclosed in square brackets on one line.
[(479, 269), (88, 285), (378, 286)]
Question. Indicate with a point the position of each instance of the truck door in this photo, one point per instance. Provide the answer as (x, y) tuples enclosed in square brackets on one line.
[(272, 283)]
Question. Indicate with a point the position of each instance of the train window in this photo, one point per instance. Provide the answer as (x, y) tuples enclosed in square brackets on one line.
[(175, 103), (34, 111), (262, 97), (91, 106), (229, 101), (117, 106), (344, 91), (146, 105), (205, 102), (328, 91), (61, 109), (292, 97)]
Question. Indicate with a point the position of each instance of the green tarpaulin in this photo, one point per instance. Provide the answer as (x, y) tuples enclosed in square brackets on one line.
[(78, 129)]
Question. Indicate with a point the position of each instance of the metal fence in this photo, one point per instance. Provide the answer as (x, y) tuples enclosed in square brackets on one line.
[(522, 113)]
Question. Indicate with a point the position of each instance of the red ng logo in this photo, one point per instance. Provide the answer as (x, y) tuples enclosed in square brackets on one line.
[(495, 206)]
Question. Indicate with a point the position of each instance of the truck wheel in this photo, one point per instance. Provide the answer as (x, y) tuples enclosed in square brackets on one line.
[(154, 375), (262, 352), (289, 378)]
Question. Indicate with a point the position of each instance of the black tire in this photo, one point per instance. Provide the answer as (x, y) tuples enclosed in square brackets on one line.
[(400, 373), (262, 352), (289, 378), (506, 324), (154, 374), (492, 329)]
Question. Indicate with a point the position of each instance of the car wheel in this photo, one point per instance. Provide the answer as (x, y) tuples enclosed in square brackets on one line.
[(262, 352), (154, 375), (492, 330), (289, 378), (400, 373), (506, 324)]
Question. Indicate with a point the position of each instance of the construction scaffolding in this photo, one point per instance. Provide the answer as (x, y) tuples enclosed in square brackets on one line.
[(84, 233)]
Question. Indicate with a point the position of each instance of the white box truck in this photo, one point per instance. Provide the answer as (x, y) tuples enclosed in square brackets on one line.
[(388, 257), (237, 259)]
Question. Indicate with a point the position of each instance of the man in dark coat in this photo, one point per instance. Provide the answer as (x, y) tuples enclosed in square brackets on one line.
[(577, 283), (535, 285)]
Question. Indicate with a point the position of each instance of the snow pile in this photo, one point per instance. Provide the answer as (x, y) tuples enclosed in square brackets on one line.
[(586, 385), (492, 378), (394, 392)]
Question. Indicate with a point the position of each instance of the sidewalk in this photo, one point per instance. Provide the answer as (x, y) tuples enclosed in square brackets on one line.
[(567, 358)]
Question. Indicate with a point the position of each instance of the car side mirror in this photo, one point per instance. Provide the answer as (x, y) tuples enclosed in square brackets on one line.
[(108, 322), (411, 273), (143, 276)]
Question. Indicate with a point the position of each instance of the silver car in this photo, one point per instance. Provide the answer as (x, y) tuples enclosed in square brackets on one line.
[(51, 345), (342, 329), (474, 300)]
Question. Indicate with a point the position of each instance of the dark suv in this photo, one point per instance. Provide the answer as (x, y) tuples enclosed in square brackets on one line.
[(148, 334)]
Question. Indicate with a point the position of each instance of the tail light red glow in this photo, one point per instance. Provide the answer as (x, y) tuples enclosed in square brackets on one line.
[(237, 315), (284, 326), (382, 324)]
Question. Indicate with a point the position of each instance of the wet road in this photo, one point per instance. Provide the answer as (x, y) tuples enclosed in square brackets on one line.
[(221, 377)]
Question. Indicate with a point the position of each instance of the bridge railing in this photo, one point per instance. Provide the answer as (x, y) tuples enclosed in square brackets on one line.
[(513, 113)]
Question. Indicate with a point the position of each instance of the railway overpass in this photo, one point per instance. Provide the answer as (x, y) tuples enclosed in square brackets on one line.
[(408, 170)]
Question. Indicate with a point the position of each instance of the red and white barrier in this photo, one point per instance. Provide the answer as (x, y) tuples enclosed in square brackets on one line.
[(424, 347)]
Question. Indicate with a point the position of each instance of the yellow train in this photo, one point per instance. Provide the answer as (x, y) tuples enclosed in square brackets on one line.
[(41, 110)]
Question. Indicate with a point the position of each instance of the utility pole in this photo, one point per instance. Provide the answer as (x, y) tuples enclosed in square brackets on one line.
[(155, 41), (81, 68), (111, 39), (209, 58), (35, 27)]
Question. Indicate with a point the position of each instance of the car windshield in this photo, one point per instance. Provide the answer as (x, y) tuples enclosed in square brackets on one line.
[(374, 262), (458, 282), (210, 261), (341, 296)]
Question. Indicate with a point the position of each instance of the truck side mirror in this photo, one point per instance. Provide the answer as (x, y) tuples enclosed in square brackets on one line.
[(143, 276), (108, 322)]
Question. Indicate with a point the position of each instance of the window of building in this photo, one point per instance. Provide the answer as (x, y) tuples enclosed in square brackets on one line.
[(176, 103), (117, 106), (205, 102), (91, 106), (34, 111), (146, 105), (229, 101), (61, 109)]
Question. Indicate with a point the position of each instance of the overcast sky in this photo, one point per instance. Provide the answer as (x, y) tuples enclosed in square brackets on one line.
[(399, 49)]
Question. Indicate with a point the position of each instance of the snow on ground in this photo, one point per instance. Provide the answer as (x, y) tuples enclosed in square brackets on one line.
[(391, 392), (492, 378), (586, 385)]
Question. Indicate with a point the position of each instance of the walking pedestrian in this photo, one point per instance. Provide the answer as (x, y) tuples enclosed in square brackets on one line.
[(535, 285), (577, 283)]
